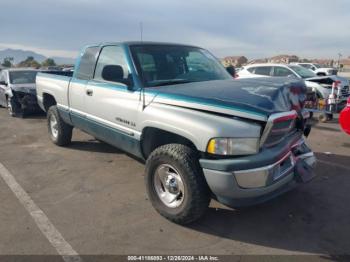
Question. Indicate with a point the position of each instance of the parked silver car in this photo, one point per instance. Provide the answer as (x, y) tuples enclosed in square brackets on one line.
[(322, 85), (17, 91)]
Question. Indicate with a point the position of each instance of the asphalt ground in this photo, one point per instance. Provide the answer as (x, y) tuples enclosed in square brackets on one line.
[(94, 197)]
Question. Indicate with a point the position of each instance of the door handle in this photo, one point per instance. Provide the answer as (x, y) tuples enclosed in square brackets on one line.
[(89, 92)]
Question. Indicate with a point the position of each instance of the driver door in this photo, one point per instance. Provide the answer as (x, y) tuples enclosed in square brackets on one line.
[(112, 107)]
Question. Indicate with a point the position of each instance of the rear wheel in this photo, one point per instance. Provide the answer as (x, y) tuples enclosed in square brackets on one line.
[(175, 183), (59, 131)]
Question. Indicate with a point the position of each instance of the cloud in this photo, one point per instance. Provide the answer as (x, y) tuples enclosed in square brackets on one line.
[(43, 51), (253, 28)]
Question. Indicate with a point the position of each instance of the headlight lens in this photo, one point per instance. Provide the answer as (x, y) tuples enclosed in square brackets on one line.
[(233, 146)]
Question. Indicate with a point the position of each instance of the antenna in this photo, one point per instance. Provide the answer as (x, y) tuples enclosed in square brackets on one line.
[(141, 30)]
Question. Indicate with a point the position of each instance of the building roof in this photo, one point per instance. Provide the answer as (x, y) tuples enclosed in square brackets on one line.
[(234, 57), (283, 56), (258, 61)]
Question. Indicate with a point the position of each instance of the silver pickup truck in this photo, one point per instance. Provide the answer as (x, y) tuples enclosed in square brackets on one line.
[(202, 133)]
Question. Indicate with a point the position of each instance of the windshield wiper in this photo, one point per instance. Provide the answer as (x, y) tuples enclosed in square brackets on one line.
[(171, 82)]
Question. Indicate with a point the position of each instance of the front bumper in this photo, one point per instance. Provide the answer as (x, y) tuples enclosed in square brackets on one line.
[(255, 179)]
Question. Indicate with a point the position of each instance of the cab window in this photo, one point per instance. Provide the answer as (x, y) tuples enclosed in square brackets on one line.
[(113, 56)]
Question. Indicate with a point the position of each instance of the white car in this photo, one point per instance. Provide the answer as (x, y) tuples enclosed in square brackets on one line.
[(318, 69), (322, 85)]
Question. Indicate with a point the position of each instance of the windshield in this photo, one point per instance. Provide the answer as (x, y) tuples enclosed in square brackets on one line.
[(174, 64), (22, 77), (302, 72)]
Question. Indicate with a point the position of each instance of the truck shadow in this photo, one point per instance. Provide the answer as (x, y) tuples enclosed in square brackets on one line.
[(312, 218), (36, 115), (96, 146), (93, 145)]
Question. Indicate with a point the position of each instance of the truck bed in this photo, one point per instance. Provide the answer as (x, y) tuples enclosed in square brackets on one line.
[(55, 85)]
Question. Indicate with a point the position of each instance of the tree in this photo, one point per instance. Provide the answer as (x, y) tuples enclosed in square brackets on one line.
[(7, 62), (29, 62), (48, 62)]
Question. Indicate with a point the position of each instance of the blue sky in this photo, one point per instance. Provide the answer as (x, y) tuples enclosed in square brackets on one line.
[(255, 28)]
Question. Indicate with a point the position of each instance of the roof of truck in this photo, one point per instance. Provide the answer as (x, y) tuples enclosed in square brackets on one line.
[(141, 43)]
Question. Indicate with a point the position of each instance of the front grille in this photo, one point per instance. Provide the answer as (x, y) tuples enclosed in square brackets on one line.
[(277, 128), (345, 91)]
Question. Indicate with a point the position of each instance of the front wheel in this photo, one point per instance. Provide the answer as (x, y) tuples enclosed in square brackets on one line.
[(59, 131), (175, 183)]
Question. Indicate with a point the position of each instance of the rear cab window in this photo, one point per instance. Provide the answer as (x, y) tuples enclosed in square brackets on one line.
[(3, 77), (87, 63)]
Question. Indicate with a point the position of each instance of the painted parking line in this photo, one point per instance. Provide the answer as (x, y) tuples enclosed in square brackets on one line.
[(42, 221)]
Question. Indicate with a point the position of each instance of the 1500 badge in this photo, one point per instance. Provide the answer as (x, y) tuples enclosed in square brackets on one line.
[(126, 122)]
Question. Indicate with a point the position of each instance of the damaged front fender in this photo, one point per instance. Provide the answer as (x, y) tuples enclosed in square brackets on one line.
[(25, 101)]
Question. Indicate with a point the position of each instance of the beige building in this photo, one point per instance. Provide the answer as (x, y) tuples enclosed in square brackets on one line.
[(283, 59), (345, 64), (236, 61)]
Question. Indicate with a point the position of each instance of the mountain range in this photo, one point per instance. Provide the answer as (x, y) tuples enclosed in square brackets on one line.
[(20, 55)]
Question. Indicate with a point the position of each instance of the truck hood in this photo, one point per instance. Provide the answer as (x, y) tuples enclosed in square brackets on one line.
[(24, 88), (249, 98)]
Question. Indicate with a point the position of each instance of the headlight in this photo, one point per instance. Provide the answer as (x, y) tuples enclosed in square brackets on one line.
[(233, 146)]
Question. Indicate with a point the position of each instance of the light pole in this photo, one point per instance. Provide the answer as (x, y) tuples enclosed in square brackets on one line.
[(339, 56)]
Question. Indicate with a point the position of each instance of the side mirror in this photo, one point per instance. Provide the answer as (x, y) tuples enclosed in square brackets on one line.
[(231, 70), (115, 73), (3, 83)]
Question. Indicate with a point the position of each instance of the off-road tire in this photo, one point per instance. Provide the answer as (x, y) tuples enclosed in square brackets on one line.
[(64, 131), (197, 194)]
